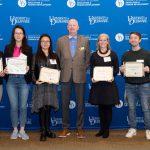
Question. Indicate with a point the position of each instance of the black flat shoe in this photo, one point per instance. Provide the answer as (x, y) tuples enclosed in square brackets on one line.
[(100, 133), (50, 134), (106, 134), (43, 137)]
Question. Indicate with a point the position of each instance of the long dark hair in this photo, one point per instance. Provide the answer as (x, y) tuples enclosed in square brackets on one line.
[(24, 40), (40, 54)]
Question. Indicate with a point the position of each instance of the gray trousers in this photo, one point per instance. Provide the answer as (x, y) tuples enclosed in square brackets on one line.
[(79, 93)]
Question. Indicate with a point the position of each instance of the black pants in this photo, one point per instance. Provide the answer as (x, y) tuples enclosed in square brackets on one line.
[(105, 114), (44, 118)]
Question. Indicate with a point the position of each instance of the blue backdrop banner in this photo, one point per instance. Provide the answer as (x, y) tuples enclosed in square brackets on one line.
[(117, 18)]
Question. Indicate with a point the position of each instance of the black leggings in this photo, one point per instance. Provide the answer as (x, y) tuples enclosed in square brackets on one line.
[(105, 114), (44, 117)]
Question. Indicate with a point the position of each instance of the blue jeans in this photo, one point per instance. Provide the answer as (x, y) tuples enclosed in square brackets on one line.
[(18, 91), (141, 91)]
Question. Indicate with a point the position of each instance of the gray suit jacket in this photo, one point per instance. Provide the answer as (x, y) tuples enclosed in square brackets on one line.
[(77, 65)]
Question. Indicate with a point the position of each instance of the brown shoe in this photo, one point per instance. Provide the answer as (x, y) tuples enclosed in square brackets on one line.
[(64, 133), (80, 134)]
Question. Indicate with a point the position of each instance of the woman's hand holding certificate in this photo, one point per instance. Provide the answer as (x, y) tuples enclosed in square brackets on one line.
[(103, 74), (49, 75), (16, 65), (39, 82)]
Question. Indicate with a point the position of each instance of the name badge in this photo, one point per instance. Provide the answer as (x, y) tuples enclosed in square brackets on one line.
[(140, 60), (53, 61), (107, 59)]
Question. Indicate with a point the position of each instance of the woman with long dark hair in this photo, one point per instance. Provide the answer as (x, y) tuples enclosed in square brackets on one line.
[(44, 96), (18, 84)]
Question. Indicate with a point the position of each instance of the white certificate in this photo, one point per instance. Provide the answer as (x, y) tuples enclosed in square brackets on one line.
[(134, 69), (103, 73), (49, 75), (16, 65), (1, 64)]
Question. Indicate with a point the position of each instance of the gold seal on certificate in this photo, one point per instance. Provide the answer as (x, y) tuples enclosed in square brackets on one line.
[(1, 64), (103, 73), (49, 75), (16, 65), (134, 69)]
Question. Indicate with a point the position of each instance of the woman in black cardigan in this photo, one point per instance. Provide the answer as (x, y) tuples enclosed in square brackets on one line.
[(44, 97)]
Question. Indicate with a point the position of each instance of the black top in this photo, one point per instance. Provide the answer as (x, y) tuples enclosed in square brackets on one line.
[(28, 52), (38, 63), (97, 60), (104, 93), (1, 56), (140, 55)]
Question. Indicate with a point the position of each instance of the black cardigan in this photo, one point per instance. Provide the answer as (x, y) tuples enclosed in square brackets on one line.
[(28, 52), (38, 63)]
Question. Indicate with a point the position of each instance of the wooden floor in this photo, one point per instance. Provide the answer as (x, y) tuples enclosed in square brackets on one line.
[(116, 141)]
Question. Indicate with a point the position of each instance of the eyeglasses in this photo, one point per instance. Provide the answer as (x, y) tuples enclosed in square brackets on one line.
[(45, 42), (18, 33)]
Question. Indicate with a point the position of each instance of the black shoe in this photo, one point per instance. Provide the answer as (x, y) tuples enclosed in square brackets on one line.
[(50, 134), (106, 134), (100, 133), (43, 136)]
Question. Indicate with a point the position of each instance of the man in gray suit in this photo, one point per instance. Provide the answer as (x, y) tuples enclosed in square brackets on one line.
[(74, 55)]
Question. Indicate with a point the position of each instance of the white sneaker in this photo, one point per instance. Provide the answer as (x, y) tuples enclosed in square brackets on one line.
[(14, 135), (23, 135), (147, 134), (131, 132)]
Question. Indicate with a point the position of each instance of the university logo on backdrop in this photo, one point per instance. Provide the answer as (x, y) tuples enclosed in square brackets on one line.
[(72, 104), (58, 20), (119, 3), (22, 3), (56, 121), (119, 37), (98, 19), (71, 3), (19, 20), (120, 105), (83, 3), (94, 120), (137, 20), (34, 3), (131, 3)]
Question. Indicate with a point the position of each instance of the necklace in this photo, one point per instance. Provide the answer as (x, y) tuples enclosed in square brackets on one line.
[(103, 52)]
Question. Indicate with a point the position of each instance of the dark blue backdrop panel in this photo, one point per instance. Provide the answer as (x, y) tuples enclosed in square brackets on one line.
[(114, 17)]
